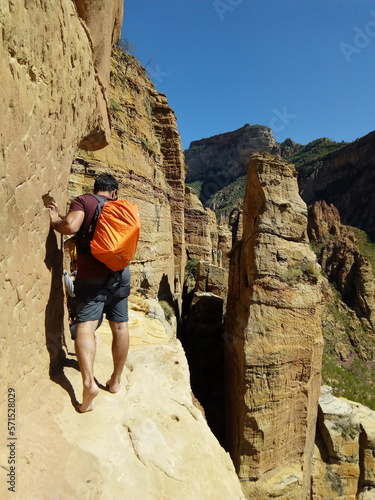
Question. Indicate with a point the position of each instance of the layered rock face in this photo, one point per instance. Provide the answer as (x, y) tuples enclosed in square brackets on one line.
[(218, 160), (346, 179), (344, 457), (201, 231), (52, 99), (342, 261), (273, 338), (145, 155)]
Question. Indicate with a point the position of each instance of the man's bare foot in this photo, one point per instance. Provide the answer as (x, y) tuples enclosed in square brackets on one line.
[(89, 393), (113, 385)]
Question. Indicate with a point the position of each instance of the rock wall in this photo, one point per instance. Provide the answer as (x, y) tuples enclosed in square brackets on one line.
[(201, 230), (346, 179), (145, 155), (52, 99), (342, 261), (273, 338)]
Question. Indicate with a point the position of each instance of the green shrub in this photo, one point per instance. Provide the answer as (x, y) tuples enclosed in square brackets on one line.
[(343, 332), (353, 381), (228, 198), (168, 310), (114, 105), (191, 267), (149, 146), (303, 270)]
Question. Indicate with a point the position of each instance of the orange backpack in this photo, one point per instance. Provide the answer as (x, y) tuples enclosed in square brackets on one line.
[(116, 233)]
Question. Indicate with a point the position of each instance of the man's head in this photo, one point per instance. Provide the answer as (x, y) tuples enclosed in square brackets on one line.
[(106, 183)]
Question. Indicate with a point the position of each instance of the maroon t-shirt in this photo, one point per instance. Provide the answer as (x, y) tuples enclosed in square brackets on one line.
[(88, 266)]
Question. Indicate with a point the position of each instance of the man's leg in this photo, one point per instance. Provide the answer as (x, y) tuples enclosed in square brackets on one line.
[(120, 347), (85, 347)]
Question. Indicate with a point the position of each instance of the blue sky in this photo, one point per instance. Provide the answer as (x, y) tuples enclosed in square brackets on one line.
[(305, 68)]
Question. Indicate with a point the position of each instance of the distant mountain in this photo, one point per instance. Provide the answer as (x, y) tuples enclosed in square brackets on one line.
[(217, 161), (217, 165)]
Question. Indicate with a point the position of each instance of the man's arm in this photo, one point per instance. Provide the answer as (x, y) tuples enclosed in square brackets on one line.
[(70, 224)]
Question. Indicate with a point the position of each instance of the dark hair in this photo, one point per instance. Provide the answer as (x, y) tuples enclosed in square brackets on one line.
[(105, 182)]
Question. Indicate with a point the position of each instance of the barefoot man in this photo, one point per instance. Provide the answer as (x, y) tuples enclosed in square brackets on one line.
[(90, 290)]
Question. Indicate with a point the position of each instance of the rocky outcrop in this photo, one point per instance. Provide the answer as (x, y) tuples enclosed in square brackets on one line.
[(345, 179), (212, 279), (52, 99), (201, 231), (102, 21), (225, 238), (146, 156), (344, 457), (273, 338), (342, 261), (219, 160)]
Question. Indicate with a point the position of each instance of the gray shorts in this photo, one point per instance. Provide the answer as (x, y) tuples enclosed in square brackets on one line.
[(93, 299)]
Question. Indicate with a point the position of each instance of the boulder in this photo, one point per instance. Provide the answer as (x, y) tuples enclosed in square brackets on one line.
[(344, 463)]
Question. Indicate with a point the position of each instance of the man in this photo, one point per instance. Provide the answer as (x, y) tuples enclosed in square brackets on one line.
[(91, 293)]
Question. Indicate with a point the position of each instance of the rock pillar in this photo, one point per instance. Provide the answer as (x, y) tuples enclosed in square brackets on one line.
[(273, 338)]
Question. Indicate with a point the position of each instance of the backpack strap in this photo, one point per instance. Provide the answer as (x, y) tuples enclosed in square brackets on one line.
[(86, 236), (96, 214)]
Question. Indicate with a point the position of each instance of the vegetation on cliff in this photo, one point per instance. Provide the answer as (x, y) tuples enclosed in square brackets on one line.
[(230, 197), (310, 157), (349, 346), (366, 246), (305, 159)]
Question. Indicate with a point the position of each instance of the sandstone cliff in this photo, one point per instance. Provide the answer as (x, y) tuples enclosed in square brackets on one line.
[(52, 99), (346, 180), (342, 261), (145, 154), (273, 337), (149, 441), (346, 257), (219, 160), (201, 230)]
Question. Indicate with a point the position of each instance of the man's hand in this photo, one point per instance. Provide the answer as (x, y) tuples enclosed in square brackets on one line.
[(53, 212), (67, 225)]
